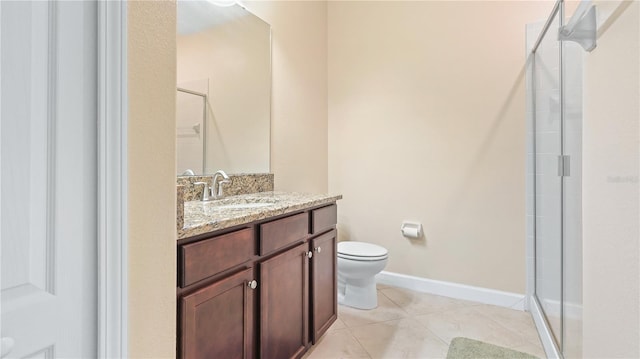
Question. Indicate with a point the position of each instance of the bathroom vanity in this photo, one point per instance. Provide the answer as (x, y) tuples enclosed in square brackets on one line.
[(256, 275)]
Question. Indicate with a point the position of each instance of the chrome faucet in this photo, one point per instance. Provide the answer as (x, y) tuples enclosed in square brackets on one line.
[(206, 191), (216, 187), (215, 191)]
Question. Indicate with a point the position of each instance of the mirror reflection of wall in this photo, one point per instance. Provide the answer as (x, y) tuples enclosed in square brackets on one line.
[(225, 54), (191, 114)]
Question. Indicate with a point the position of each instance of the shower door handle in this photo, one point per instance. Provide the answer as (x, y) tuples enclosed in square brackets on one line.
[(564, 166)]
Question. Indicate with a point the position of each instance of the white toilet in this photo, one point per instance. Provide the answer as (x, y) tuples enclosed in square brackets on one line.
[(358, 264)]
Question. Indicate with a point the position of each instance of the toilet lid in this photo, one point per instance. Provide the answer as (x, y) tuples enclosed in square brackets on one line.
[(361, 250)]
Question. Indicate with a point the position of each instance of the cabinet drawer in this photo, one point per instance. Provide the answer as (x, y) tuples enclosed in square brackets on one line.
[(281, 232), (323, 218), (214, 255)]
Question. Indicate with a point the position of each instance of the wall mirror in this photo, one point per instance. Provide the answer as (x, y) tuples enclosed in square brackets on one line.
[(223, 108)]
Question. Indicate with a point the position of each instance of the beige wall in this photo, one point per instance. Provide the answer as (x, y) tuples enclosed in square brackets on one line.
[(299, 104), (610, 189), (152, 191), (427, 123)]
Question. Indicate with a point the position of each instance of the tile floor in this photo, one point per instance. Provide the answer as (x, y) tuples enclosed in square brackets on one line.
[(408, 324)]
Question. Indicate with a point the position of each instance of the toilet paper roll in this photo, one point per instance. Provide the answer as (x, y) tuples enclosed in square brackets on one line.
[(411, 232)]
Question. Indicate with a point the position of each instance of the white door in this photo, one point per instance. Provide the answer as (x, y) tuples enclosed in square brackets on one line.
[(48, 179)]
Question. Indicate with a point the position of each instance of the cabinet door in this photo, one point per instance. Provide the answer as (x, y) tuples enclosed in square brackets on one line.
[(324, 302), (217, 321), (284, 307)]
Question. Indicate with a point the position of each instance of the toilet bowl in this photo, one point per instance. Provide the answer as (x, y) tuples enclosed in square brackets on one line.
[(358, 263)]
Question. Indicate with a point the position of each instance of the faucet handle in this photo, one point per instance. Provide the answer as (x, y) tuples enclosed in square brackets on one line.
[(206, 191), (220, 194)]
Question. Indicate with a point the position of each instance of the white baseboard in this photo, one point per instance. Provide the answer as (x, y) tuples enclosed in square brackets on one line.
[(453, 290)]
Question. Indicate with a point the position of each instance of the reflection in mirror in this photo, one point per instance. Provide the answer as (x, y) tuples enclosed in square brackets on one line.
[(224, 89), (191, 112)]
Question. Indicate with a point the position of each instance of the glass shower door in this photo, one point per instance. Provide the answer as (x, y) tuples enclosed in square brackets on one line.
[(548, 183), (557, 125)]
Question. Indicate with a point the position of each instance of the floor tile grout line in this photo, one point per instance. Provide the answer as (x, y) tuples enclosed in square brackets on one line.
[(431, 331), (427, 331), (380, 322), (466, 304), (469, 303), (447, 343), (308, 353), (510, 329), (521, 337), (517, 333), (392, 301), (359, 343), (370, 324), (474, 307)]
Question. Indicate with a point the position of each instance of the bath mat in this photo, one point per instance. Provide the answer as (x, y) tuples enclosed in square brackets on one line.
[(465, 348)]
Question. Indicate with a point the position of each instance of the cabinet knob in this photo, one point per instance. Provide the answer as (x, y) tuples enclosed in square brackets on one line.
[(252, 284), (310, 254), (318, 249)]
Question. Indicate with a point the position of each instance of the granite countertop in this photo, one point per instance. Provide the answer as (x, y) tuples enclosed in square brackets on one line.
[(202, 217)]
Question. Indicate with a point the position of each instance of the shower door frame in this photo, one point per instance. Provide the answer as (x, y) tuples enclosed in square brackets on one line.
[(553, 347)]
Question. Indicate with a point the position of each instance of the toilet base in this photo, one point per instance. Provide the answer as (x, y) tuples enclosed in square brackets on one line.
[(358, 293)]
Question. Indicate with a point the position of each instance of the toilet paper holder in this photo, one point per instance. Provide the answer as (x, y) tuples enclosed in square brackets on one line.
[(411, 229)]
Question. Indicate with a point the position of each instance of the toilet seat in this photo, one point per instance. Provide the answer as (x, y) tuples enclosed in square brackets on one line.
[(361, 251)]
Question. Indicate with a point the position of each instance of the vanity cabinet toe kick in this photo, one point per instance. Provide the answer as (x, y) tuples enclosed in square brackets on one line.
[(240, 291)]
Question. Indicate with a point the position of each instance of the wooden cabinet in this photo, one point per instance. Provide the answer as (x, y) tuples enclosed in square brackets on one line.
[(217, 321), (283, 232), (211, 256), (324, 291), (323, 219), (264, 290), (284, 304)]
